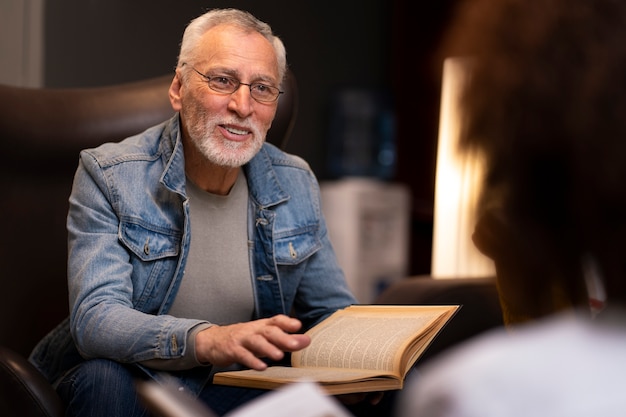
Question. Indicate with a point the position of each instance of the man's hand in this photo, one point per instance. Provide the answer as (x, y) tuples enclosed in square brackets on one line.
[(245, 343)]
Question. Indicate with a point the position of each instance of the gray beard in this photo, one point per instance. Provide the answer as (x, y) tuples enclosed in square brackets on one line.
[(222, 152), (228, 153)]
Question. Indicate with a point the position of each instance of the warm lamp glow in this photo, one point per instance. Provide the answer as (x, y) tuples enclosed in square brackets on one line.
[(457, 187)]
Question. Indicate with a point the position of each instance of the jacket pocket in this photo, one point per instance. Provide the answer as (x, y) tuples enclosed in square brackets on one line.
[(295, 248), (147, 243), (154, 262)]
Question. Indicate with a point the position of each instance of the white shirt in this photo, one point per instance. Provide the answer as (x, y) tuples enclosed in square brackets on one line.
[(560, 367)]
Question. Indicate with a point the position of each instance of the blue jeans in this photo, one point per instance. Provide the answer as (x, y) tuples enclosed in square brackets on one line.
[(102, 387)]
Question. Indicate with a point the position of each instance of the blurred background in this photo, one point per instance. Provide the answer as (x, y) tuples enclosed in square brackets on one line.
[(366, 69)]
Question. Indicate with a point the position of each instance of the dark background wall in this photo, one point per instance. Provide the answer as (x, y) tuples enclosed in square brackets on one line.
[(331, 45)]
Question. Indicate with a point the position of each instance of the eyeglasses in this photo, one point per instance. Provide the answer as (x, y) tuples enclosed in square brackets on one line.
[(227, 85)]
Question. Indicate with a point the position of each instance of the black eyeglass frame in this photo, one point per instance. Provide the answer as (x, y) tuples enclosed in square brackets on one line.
[(238, 84)]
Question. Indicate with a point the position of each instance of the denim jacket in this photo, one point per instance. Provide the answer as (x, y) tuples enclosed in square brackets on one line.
[(128, 228)]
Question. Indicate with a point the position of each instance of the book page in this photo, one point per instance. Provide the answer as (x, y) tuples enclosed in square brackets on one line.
[(360, 338)]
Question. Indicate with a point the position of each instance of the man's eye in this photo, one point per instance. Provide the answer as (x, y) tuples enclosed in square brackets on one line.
[(222, 80), (262, 88)]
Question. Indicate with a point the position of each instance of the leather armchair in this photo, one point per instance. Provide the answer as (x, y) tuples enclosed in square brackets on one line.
[(41, 134)]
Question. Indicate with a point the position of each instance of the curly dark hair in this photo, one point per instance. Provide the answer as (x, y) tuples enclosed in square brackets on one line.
[(546, 106)]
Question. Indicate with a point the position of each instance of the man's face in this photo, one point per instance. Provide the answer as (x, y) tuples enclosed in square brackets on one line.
[(228, 129)]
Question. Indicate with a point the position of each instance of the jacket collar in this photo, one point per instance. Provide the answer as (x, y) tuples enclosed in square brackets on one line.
[(263, 183), (173, 176)]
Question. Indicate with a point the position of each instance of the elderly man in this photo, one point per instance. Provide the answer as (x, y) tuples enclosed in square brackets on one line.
[(191, 243)]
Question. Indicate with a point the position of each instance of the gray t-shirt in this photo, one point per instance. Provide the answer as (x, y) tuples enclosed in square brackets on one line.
[(217, 284)]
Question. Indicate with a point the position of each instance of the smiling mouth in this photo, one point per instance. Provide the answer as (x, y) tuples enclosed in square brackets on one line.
[(235, 131)]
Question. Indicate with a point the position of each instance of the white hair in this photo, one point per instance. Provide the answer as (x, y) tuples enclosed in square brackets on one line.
[(244, 20)]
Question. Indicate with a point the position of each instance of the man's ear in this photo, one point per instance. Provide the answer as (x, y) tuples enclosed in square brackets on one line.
[(174, 92)]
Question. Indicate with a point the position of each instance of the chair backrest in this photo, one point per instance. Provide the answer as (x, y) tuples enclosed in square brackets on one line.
[(51, 125), (41, 134)]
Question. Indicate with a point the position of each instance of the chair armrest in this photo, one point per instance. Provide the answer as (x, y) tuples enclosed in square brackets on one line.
[(24, 391)]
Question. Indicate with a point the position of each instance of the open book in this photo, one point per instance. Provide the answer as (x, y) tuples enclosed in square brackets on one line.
[(361, 348)]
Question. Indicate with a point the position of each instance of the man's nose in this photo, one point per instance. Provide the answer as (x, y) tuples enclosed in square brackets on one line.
[(241, 101)]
